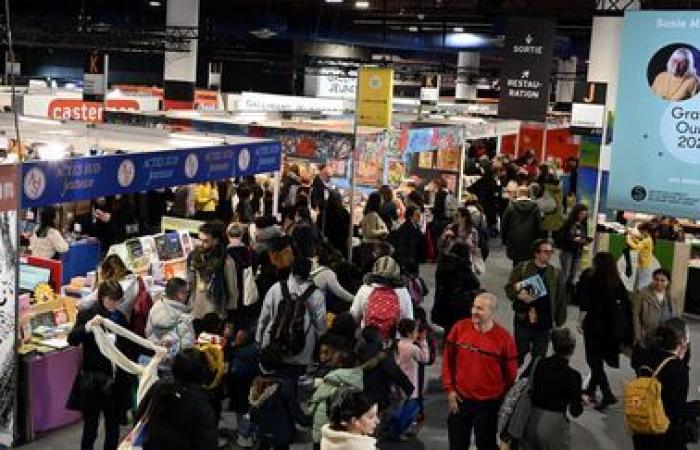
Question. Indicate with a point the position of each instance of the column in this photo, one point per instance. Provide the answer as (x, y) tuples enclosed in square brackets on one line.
[(180, 68), (467, 71)]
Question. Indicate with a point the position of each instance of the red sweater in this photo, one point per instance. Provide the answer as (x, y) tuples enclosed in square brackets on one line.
[(479, 366)]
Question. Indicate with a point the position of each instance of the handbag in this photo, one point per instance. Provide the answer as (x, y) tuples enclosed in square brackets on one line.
[(521, 403)]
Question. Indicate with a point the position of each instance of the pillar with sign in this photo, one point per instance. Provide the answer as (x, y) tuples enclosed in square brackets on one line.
[(373, 108), (180, 68)]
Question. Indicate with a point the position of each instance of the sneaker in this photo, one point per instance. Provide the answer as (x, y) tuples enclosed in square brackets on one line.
[(245, 442)]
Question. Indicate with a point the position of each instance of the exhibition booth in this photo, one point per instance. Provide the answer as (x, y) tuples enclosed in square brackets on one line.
[(68, 163)]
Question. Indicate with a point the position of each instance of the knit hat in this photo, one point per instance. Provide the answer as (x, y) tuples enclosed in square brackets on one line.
[(386, 266)]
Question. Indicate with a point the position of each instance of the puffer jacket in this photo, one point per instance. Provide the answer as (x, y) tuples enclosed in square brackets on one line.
[(320, 401), (342, 440), (170, 315)]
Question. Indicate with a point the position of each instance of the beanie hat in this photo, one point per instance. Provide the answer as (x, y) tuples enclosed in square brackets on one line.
[(387, 266)]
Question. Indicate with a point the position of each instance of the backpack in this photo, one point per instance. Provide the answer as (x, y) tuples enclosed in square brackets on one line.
[(142, 306), (515, 409), (288, 332), (383, 311), (644, 408)]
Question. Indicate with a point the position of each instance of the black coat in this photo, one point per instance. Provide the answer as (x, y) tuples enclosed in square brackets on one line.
[(608, 322), (675, 382), (187, 421), (455, 285), (379, 380), (409, 243), (276, 411), (97, 382)]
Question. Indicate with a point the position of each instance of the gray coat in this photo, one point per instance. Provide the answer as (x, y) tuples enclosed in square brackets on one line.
[(646, 311)]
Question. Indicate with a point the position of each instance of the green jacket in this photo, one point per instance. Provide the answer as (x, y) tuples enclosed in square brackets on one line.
[(554, 287), (319, 403), (555, 219)]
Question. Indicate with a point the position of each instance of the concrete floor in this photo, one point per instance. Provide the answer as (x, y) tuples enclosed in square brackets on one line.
[(592, 430)]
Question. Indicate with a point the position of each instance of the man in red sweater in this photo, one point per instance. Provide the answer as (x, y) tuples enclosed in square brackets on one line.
[(478, 368)]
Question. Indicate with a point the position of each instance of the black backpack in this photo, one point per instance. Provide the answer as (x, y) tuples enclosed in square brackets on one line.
[(288, 332)]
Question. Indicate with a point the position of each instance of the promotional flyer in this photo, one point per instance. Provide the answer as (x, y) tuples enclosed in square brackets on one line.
[(656, 152)]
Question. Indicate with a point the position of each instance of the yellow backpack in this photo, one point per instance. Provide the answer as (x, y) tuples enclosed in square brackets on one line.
[(644, 408)]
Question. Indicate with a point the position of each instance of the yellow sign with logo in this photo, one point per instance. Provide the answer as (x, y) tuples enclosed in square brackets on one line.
[(375, 92)]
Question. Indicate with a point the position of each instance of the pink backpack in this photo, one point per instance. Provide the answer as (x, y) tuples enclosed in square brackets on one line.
[(383, 311)]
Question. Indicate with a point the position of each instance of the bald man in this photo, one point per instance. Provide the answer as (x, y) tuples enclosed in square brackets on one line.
[(479, 366)]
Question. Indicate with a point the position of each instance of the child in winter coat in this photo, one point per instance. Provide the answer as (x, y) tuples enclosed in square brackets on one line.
[(410, 351), (346, 376), (274, 408)]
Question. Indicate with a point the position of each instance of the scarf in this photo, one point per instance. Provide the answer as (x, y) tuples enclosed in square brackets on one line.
[(208, 263), (147, 375)]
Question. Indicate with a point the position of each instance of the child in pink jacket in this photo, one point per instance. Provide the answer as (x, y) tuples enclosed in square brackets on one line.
[(410, 351)]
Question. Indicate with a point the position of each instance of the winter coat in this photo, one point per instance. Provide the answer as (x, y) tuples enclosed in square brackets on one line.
[(554, 220), (675, 385), (342, 440), (373, 228), (97, 381), (170, 315), (190, 422), (275, 410), (408, 242), (455, 284), (379, 380), (520, 227), (566, 235), (608, 322), (243, 368), (315, 323), (646, 311), (555, 290), (321, 400), (359, 304)]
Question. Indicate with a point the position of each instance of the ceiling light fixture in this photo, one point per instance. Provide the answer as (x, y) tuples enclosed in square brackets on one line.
[(155, 3), (413, 29), (458, 29), (361, 4), (334, 1)]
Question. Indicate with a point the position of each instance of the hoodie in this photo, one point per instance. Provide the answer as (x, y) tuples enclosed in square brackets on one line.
[(319, 403), (342, 440), (520, 227)]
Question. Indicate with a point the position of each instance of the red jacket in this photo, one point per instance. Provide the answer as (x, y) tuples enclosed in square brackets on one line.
[(479, 366)]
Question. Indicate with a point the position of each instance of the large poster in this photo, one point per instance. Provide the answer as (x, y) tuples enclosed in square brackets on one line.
[(527, 66), (655, 165), (8, 264)]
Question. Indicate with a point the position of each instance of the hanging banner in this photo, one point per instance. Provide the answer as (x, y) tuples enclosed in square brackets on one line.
[(374, 97), (51, 182), (655, 165), (527, 67)]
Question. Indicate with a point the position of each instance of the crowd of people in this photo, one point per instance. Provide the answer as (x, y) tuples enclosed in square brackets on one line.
[(313, 337)]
